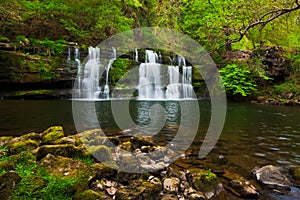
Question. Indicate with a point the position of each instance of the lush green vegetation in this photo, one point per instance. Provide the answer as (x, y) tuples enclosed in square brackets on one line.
[(45, 28)]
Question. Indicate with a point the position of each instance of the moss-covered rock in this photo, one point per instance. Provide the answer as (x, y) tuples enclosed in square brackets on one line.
[(63, 166), (129, 193), (90, 195), (203, 180), (66, 150), (51, 134), (4, 140), (22, 145), (8, 183), (104, 170), (32, 136), (101, 153)]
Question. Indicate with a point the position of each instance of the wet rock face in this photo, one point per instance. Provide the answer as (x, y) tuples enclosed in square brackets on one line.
[(271, 176), (240, 186)]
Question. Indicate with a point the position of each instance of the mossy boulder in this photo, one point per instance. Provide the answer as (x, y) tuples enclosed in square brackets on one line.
[(69, 140), (22, 145), (32, 136), (51, 134), (203, 180), (101, 153), (145, 190), (4, 140), (66, 150), (8, 182), (62, 166), (104, 170), (90, 195)]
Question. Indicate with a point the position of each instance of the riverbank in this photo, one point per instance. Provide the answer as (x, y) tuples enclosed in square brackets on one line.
[(51, 164)]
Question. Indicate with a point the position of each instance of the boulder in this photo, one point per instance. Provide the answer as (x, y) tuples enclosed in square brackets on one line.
[(4, 140), (8, 182), (62, 166), (22, 145), (202, 180), (90, 195), (104, 170), (171, 185), (66, 150), (169, 197), (51, 134), (145, 190), (271, 176), (32, 136), (240, 186), (101, 153)]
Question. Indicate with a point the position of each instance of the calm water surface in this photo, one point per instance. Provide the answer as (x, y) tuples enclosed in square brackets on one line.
[(253, 134)]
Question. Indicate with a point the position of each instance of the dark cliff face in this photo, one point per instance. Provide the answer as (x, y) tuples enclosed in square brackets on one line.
[(26, 73)]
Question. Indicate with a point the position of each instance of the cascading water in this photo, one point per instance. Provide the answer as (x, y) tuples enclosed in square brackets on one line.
[(136, 55), (149, 78), (187, 88), (90, 83), (106, 87), (151, 85), (173, 89)]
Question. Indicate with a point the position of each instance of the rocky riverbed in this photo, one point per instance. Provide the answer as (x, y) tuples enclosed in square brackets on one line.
[(38, 156)]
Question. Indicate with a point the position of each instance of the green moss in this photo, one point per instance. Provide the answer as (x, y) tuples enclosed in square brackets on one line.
[(31, 136), (53, 133), (90, 195), (23, 145), (66, 150), (101, 152), (203, 180)]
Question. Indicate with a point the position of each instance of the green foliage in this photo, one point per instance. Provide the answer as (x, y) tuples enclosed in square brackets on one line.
[(37, 183), (237, 80)]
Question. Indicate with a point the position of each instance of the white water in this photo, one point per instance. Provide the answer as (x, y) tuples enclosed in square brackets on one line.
[(149, 78), (106, 87), (173, 89), (90, 82), (187, 88)]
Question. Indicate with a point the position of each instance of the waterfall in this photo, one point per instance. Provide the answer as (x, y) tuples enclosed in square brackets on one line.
[(173, 89), (187, 88), (69, 54), (149, 78), (106, 87), (136, 55), (90, 84)]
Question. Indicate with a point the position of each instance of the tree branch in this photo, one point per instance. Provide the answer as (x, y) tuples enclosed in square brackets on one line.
[(274, 14)]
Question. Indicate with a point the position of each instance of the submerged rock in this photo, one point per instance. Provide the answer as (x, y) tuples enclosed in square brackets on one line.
[(240, 186), (270, 176)]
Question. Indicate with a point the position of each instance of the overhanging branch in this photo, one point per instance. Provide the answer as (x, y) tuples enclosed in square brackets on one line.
[(271, 16)]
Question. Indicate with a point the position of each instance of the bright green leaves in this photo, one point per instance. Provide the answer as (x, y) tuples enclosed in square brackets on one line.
[(237, 80)]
